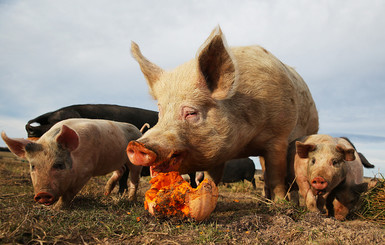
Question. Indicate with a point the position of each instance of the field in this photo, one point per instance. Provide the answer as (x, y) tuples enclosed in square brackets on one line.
[(242, 216)]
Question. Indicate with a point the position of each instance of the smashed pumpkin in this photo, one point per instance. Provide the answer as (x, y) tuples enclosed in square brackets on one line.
[(171, 196), (33, 138)]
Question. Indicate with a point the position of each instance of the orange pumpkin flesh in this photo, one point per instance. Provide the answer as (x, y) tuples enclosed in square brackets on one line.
[(33, 138), (171, 196)]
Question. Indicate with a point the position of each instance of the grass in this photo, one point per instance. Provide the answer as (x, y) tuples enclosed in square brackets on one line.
[(93, 218), (373, 203), (242, 215)]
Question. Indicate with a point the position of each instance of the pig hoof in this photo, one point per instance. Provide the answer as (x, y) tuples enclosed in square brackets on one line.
[(339, 217)]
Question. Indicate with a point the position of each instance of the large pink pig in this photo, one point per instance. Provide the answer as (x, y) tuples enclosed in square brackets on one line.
[(226, 103), (329, 173), (71, 152)]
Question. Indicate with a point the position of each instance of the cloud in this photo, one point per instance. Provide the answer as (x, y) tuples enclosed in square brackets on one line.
[(58, 53)]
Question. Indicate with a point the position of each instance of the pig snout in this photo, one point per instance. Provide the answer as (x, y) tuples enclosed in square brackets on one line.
[(139, 154), (319, 184), (44, 198)]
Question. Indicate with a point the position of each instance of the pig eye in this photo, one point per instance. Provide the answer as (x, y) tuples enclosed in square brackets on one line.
[(313, 160), (32, 167), (335, 162), (59, 166), (190, 114)]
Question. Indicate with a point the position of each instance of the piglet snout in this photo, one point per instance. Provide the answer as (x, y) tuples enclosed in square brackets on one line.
[(139, 154), (44, 198), (319, 183)]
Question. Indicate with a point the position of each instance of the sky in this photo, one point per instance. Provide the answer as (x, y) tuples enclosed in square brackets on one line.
[(58, 53)]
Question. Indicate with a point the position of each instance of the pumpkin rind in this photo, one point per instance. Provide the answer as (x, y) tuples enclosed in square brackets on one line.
[(170, 195)]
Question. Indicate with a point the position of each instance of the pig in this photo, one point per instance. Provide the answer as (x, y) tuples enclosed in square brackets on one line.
[(328, 173), (226, 103), (138, 117), (64, 158), (38, 126), (235, 170)]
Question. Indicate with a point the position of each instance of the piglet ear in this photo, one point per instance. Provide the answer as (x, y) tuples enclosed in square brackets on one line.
[(304, 149), (16, 146), (348, 153), (217, 66), (68, 138)]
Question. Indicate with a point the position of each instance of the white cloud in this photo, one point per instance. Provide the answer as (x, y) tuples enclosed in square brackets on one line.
[(58, 53)]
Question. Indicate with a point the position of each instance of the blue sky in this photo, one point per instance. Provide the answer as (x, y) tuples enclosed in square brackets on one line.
[(58, 53)]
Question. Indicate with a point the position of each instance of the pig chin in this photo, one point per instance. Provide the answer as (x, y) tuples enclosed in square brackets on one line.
[(172, 162), (317, 192)]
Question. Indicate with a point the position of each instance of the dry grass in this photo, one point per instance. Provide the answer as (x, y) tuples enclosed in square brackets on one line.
[(242, 216), (373, 203)]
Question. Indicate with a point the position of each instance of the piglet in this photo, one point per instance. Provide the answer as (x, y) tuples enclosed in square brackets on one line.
[(328, 172), (73, 151)]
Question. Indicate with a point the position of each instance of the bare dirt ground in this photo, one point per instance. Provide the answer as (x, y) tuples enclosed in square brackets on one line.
[(242, 216)]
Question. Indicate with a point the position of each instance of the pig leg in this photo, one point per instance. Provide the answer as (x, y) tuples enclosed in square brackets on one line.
[(262, 162), (134, 181), (276, 170), (340, 210), (293, 197), (123, 182), (65, 200), (321, 201), (346, 199), (117, 174), (215, 173), (266, 191), (305, 191), (253, 183), (311, 201)]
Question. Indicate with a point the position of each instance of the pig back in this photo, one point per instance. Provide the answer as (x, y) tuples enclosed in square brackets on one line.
[(275, 92), (102, 144)]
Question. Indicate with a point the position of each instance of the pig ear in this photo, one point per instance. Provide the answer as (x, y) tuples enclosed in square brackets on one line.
[(68, 138), (304, 149), (151, 71), (348, 153), (217, 66), (16, 146)]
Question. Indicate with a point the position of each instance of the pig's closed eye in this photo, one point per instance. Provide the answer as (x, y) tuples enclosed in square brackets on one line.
[(190, 114), (59, 166)]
